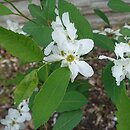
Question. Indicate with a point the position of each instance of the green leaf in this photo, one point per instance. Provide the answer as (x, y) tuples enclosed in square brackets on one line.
[(34, 30), (20, 46), (121, 39), (50, 96), (123, 114), (68, 120), (36, 12), (26, 87), (119, 5), (49, 9), (84, 87), (82, 25), (80, 86), (72, 100), (43, 73), (43, 15), (125, 31), (16, 79), (103, 42), (102, 16), (4, 10), (112, 90), (30, 1), (32, 98)]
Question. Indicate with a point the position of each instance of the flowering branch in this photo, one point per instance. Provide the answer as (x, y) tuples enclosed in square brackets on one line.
[(20, 13)]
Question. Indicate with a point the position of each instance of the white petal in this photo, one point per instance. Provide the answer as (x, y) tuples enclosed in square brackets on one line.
[(12, 25), (48, 49), (71, 31), (13, 113), (65, 19), (55, 49), (16, 127), (121, 48), (96, 31), (69, 47), (117, 72), (56, 11), (6, 128), (5, 121), (126, 26), (108, 30), (22, 126), (53, 58), (27, 116), (25, 108), (20, 119), (64, 63), (85, 46), (57, 24), (59, 36), (106, 57), (74, 70), (85, 69), (117, 33), (127, 67)]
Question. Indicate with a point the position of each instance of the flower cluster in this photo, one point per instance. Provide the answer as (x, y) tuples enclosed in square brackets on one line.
[(115, 33), (121, 68), (15, 27), (109, 32), (67, 49), (16, 117)]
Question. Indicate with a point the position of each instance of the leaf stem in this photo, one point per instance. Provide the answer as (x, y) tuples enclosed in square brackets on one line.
[(20, 13)]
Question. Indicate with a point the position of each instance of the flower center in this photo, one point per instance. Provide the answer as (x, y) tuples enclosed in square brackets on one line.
[(129, 42), (62, 53), (13, 123), (70, 58)]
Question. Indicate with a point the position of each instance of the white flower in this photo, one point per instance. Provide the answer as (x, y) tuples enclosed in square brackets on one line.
[(69, 55), (117, 34), (16, 117), (24, 110), (15, 27), (99, 32), (122, 50), (65, 31), (12, 120), (127, 26), (121, 68), (67, 49), (109, 31)]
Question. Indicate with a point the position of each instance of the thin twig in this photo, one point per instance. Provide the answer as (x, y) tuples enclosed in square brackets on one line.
[(45, 127), (20, 13)]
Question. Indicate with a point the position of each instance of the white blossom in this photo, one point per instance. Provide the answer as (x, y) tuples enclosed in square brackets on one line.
[(121, 68), (15, 27), (67, 49), (109, 31), (12, 120), (99, 32), (127, 26), (122, 50), (16, 117), (24, 110)]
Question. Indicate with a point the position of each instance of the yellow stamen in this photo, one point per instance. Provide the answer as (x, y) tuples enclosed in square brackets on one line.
[(70, 58)]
